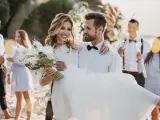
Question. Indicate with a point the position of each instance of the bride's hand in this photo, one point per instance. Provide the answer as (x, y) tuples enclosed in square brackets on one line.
[(49, 72), (47, 77), (104, 48)]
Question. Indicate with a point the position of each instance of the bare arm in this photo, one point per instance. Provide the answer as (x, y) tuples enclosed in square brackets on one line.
[(46, 80), (12, 59), (121, 51), (48, 77), (120, 48)]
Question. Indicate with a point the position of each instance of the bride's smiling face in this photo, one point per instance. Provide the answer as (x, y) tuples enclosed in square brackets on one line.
[(65, 32)]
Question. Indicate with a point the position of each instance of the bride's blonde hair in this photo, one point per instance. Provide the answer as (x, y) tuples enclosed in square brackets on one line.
[(54, 29)]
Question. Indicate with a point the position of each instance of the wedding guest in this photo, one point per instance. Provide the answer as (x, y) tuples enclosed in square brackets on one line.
[(3, 101), (152, 64), (131, 50), (21, 76)]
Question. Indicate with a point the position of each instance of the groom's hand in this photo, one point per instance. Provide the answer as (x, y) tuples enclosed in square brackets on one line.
[(60, 66)]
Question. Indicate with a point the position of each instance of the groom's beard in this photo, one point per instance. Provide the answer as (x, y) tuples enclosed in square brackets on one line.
[(88, 38)]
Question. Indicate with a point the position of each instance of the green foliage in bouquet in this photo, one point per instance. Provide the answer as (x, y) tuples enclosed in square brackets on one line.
[(43, 61)]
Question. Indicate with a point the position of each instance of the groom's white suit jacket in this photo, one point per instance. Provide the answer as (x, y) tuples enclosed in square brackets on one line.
[(95, 62)]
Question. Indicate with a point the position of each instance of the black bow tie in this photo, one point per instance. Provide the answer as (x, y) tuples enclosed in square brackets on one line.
[(90, 47), (130, 40)]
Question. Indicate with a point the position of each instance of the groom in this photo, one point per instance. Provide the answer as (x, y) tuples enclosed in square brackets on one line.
[(94, 28), (89, 57)]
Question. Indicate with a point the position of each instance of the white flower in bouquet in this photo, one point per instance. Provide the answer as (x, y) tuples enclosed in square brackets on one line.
[(32, 60), (47, 50), (37, 44), (38, 57)]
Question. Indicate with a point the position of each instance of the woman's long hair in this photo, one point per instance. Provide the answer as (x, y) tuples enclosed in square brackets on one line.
[(150, 56), (24, 38), (54, 29)]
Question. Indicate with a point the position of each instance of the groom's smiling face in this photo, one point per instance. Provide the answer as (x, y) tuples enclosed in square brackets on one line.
[(89, 33)]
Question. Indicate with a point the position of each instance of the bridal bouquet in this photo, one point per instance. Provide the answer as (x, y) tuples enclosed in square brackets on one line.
[(37, 57)]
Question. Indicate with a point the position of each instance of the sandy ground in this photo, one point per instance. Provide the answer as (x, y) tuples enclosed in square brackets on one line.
[(39, 101)]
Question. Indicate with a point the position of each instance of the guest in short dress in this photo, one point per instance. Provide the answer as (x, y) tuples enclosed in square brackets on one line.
[(21, 76), (152, 64)]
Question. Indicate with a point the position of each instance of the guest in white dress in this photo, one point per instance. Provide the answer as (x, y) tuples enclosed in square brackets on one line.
[(152, 64), (21, 76), (86, 95), (60, 36)]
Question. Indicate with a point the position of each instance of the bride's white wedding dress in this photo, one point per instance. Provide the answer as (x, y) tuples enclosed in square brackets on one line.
[(83, 95)]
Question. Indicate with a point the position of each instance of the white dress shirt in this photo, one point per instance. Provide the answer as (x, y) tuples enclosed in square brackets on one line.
[(130, 51), (1, 45), (2, 50), (95, 62)]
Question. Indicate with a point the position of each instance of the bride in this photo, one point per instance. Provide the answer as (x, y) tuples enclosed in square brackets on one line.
[(84, 95)]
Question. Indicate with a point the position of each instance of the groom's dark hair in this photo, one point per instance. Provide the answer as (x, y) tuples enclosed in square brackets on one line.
[(99, 19)]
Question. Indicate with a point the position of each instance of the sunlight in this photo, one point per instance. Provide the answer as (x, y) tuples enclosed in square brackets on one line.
[(43, 1), (104, 2)]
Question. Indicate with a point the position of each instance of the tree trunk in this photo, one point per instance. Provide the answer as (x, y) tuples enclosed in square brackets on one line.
[(22, 13), (93, 4)]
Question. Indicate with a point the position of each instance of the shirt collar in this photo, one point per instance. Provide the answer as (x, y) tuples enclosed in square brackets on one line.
[(98, 45), (138, 38)]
